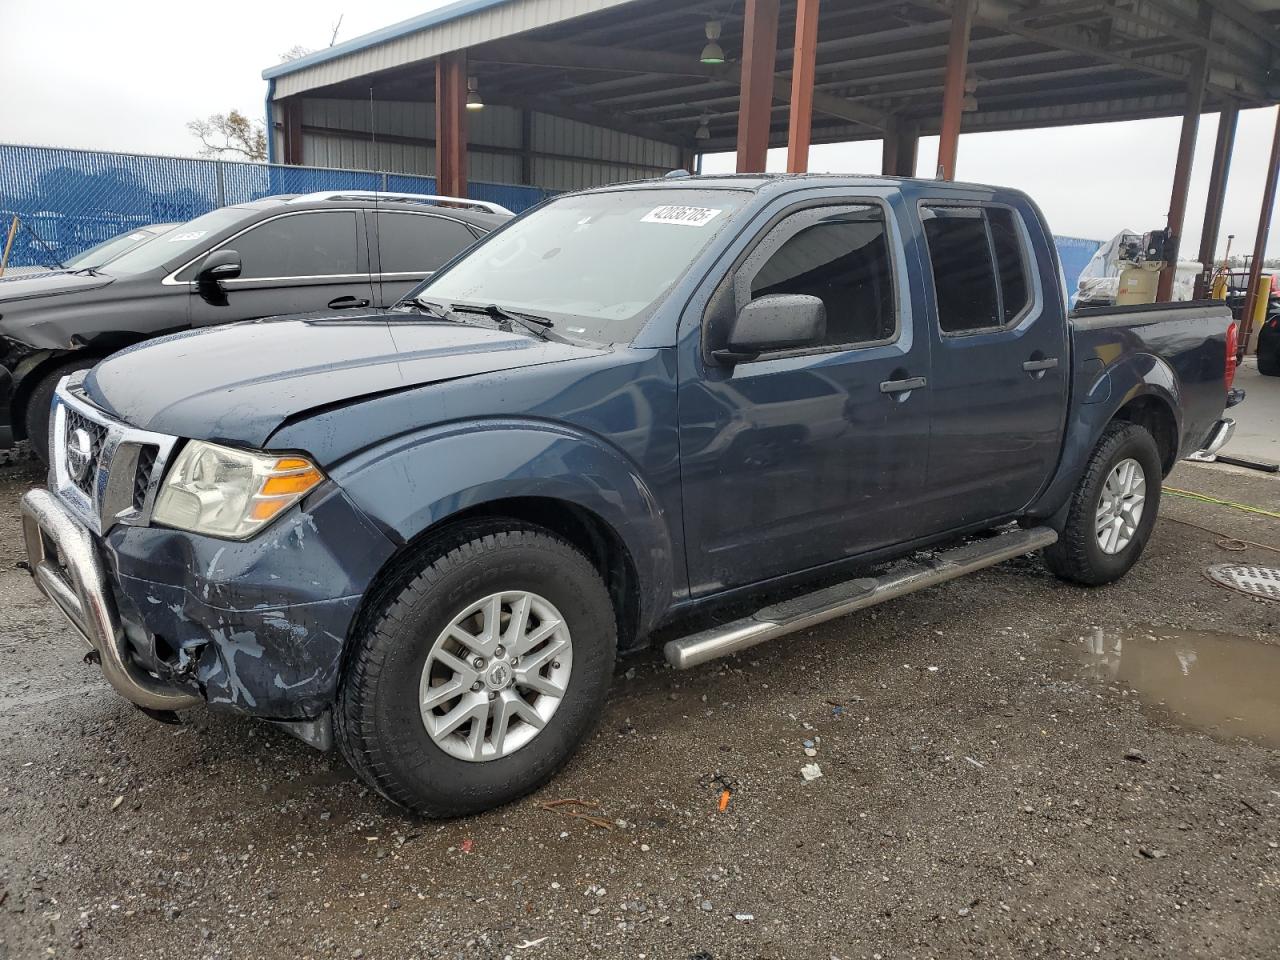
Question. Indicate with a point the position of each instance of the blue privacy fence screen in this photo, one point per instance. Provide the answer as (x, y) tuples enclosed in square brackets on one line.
[(1075, 253), (69, 200)]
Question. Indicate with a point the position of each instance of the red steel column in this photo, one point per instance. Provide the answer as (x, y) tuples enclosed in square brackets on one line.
[(451, 124), (1260, 244), (292, 107), (759, 48), (953, 90), (803, 68), (1217, 194), (1182, 173)]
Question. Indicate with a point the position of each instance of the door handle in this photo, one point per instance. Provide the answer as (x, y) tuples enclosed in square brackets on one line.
[(1031, 366), (340, 303), (903, 386)]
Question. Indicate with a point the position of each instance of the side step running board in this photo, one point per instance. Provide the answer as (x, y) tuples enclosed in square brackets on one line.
[(831, 602)]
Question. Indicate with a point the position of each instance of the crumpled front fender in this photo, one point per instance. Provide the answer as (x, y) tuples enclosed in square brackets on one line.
[(417, 481)]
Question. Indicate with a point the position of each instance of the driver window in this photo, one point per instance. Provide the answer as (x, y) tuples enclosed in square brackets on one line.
[(319, 244), (843, 260)]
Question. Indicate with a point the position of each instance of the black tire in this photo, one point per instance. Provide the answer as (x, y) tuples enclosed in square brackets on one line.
[(1269, 356), (378, 723), (1077, 556), (39, 400)]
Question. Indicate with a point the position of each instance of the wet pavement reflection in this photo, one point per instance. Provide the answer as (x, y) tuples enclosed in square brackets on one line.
[(1225, 685)]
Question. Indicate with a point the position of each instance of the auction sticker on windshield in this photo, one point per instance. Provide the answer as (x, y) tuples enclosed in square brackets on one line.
[(681, 215)]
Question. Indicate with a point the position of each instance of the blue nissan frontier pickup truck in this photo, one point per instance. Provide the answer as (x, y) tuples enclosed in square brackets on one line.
[(423, 534)]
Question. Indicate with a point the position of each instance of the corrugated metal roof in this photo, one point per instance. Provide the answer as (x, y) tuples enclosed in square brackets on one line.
[(453, 27)]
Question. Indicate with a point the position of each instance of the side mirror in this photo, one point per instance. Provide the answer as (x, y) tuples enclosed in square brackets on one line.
[(219, 265), (781, 321)]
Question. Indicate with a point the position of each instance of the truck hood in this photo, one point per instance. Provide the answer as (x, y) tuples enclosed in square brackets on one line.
[(238, 383), (32, 285)]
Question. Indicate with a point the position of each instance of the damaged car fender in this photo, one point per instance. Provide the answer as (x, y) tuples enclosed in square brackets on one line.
[(419, 481)]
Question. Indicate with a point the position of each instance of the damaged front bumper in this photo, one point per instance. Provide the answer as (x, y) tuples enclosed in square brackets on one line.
[(177, 619)]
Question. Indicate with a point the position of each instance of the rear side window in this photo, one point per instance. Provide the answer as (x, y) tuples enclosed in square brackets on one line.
[(843, 260), (979, 266), (320, 244), (419, 243)]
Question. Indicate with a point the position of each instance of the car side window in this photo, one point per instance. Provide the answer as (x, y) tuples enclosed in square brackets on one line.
[(843, 259), (419, 243), (1015, 291), (318, 244), (979, 268)]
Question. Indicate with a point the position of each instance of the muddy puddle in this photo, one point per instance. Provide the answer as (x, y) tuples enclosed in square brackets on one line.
[(1224, 685)]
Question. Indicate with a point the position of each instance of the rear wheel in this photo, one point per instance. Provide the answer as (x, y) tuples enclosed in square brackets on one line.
[(40, 400), (480, 671), (1113, 509)]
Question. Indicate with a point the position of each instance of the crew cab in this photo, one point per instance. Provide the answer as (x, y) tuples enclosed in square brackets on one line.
[(425, 533), (334, 250)]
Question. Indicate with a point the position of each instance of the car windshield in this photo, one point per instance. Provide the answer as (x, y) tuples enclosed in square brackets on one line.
[(108, 250), (596, 264), (180, 241)]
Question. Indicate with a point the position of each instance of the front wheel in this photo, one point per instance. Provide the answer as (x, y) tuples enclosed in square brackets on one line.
[(480, 672), (1113, 509)]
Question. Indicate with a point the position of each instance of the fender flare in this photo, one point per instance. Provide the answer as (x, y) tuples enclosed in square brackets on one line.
[(1135, 376), (415, 482)]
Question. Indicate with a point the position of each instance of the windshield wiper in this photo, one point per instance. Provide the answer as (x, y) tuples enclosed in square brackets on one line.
[(435, 310), (533, 323)]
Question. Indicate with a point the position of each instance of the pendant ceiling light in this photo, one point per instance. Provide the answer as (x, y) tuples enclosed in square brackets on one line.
[(704, 130), (713, 53), (474, 100)]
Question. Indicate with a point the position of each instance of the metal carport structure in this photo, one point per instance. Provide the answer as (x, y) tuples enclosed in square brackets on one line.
[(578, 92)]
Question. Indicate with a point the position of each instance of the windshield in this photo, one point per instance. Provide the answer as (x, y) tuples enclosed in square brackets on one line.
[(107, 250), (594, 263), (180, 241)]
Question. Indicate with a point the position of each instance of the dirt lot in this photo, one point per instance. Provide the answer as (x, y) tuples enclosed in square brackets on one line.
[(985, 792)]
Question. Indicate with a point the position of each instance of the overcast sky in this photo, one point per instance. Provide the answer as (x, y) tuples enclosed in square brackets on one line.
[(128, 76)]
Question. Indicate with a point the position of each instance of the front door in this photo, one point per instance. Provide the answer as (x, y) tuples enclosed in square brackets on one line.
[(801, 458), (1000, 363), (308, 262)]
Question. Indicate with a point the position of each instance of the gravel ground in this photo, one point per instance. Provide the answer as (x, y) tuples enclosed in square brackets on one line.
[(976, 798)]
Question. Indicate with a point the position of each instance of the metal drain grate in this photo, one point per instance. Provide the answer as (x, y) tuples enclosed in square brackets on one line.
[(1261, 582)]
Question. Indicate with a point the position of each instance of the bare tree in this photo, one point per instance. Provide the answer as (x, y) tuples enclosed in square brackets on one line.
[(230, 134)]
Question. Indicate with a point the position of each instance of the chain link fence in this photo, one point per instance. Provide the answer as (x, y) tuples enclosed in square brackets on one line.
[(69, 200)]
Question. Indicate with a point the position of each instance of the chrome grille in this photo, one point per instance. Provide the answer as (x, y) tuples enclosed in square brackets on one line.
[(97, 434), (142, 474), (125, 464)]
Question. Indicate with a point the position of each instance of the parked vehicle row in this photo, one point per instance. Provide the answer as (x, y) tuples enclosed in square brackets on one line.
[(423, 532), (336, 251)]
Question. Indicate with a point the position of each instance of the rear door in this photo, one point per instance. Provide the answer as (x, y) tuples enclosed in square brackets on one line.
[(1000, 360), (305, 262), (411, 245)]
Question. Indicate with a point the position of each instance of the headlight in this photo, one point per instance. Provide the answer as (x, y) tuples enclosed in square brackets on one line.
[(230, 493)]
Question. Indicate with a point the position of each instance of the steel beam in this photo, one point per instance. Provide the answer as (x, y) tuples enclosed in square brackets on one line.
[(803, 64), (953, 90), (901, 145), (1182, 173), (292, 129), (1260, 242), (1227, 121), (759, 50), (451, 124)]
